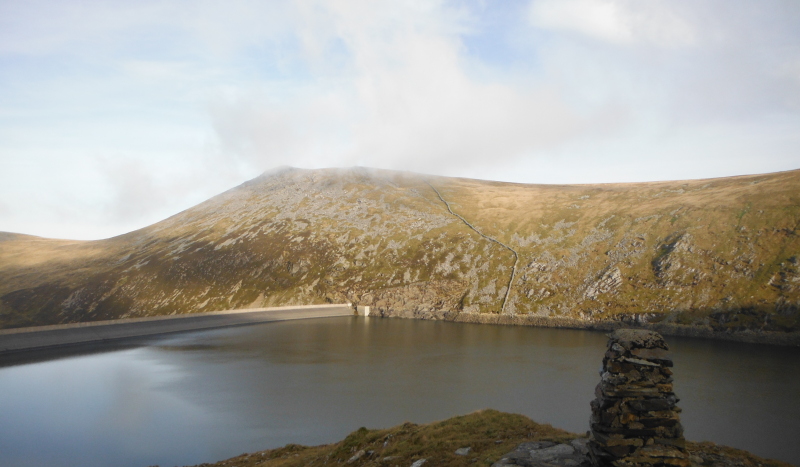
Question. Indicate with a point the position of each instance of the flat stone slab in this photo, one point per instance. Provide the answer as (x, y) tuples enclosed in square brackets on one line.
[(638, 339), (548, 454)]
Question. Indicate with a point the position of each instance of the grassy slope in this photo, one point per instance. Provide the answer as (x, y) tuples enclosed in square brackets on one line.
[(720, 253), (489, 433), (685, 250)]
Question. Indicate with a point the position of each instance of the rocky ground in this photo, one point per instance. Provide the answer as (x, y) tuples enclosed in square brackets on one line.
[(718, 257), (484, 438)]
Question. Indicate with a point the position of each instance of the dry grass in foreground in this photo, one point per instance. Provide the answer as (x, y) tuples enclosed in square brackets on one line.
[(489, 434)]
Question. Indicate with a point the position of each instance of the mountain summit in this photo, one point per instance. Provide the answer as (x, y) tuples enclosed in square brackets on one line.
[(719, 253)]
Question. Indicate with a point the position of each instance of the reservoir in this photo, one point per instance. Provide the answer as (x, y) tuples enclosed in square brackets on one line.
[(204, 396)]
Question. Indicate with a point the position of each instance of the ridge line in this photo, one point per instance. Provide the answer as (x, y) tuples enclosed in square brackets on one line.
[(514, 252)]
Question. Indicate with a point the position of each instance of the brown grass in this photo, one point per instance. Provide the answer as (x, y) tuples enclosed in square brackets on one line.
[(489, 433)]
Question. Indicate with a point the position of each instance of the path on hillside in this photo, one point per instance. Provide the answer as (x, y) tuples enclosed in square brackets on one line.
[(38, 337), (513, 252)]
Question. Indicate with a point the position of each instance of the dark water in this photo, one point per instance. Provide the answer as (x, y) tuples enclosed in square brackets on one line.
[(210, 395)]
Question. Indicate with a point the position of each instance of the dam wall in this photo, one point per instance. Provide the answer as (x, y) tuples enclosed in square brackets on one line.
[(39, 337)]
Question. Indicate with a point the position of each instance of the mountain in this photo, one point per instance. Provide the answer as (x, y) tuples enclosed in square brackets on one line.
[(719, 254)]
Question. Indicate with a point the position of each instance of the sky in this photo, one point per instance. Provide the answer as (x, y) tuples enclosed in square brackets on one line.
[(117, 114)]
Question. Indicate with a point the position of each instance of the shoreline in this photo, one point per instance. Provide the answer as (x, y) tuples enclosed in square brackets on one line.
[(48, 336), (43, 337), (788, 339)]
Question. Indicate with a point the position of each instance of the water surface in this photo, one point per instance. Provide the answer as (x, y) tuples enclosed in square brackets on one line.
[(209, 395)]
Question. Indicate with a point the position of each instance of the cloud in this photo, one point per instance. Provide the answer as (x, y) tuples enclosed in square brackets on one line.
[(394, 86), (655, 22), (679, 65), (134, 190), (405, 98)]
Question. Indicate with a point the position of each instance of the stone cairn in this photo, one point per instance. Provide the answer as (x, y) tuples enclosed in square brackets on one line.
[(634, 418)]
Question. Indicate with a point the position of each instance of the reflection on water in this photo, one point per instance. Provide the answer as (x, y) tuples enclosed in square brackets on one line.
[(741, 395), (214, 394)]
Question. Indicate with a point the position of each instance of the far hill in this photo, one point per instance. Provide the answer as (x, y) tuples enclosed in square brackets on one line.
[(716, 254)]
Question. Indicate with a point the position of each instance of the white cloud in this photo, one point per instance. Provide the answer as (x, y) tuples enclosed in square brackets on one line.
[(656, 22), (404, 99)]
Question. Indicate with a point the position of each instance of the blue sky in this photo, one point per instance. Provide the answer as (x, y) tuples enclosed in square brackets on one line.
[(114, 115)]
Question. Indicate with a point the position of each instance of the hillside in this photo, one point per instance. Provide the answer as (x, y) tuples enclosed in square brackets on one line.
[(717, 254), (488, 434)]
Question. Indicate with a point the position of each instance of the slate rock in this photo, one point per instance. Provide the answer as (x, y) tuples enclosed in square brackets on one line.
[(559, 450), (581, 445), (547, 454), (638, 339), (356, 457), (530, 446)]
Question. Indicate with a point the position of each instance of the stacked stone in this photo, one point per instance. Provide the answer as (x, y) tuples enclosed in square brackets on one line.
[(634, 419)]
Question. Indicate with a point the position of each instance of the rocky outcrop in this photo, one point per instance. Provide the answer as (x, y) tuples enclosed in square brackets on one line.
[(635, 419), (547, 454), (419, 300), (609, 281), (666, 262)]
